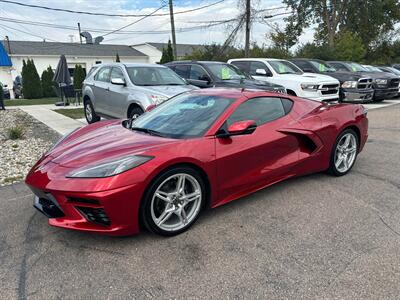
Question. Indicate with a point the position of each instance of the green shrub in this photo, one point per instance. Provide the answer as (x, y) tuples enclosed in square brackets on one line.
[(47, 83), (15, 133), (31, 80), (79, 77)]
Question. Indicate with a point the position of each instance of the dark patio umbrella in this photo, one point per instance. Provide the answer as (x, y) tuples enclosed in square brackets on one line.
[(62, 77)]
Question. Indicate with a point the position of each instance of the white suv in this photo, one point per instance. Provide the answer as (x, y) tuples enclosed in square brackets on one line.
[(307, 85)]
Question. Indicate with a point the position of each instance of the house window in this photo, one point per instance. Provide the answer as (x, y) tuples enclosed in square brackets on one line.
[(97, 62)]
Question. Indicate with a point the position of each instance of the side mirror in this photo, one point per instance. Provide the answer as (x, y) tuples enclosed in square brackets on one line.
[(205, 78), (239, 128), (118, 81), (261, 72)]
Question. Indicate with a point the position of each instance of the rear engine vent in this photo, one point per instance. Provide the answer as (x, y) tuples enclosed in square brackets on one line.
[(95, 215)]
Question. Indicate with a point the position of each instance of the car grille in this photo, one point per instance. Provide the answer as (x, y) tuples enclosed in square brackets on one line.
[(364, 83), (95, 215), (329, 89), (394, 83)]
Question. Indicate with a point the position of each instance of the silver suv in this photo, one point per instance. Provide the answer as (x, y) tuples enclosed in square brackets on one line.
[(119, 90)]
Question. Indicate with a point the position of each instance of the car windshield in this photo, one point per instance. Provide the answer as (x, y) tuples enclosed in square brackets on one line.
[(374, 69), (357, 67), (322, 66), (394, 71), (149, 76), (284, 67), (226, 72), (184, 116)]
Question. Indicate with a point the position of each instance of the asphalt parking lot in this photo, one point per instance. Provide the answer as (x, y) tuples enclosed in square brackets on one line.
[(314, 237)]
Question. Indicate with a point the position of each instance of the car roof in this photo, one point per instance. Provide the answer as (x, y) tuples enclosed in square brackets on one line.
[(128, 65), (258, 59), (234, 92), (194, 62)]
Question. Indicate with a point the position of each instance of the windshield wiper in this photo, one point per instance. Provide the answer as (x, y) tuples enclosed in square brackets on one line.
[(148, 131)]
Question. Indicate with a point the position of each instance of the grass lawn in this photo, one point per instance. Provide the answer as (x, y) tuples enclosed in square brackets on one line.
[(73, 113), (15, 102)]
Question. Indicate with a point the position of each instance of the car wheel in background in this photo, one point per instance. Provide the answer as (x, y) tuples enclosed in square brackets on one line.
[(344, 153), (173, 201), (135, 112), (90, 114)]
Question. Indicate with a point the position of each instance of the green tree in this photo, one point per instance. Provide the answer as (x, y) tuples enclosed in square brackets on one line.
[(117, 58), (167, 54), (47, 83), (349, 46), (31, 80), (79, 77), (312, 50), (369, 18)]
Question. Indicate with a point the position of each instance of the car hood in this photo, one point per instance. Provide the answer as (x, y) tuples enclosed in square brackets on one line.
[(170, 90), (91, 144), (250, 84), (311, 78), (376, 75)]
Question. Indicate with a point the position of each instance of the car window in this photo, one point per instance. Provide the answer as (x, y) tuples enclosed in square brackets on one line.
[(338, 66), (182, 70), (184, 116), (242, 65), (103, 74), (357, 67), (226, 71), (254, 65), (151, 76), (117, 73), (302, 64), (322, 66), (261, 110), (197, 72), (284, 67)]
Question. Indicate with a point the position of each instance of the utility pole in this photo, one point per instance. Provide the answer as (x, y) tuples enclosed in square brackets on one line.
[(171, 15), (79, 29), (247, 43), (8, 44)]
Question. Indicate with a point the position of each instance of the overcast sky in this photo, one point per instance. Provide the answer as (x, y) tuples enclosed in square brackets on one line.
[(227, 9)]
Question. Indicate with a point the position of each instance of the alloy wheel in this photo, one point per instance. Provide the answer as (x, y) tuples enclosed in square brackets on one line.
[(345, 153), (88, 113), (176, 202)]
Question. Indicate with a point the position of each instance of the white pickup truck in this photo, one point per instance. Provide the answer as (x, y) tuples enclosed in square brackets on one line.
[(306, 85)]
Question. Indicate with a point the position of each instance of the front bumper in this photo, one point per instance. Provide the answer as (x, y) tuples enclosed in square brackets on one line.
[(356, 95), (387, 93)]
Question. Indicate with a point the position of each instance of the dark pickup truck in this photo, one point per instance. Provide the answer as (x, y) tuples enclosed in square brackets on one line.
[(353, 87), (206, 74), (385, 85)]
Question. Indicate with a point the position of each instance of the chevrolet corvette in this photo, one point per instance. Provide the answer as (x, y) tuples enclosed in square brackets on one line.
[(199, 150)]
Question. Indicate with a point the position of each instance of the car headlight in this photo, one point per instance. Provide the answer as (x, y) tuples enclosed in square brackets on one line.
[(349, 84), (110, 168), (158, 99), (381, 81), (309, 87), (61, 139)]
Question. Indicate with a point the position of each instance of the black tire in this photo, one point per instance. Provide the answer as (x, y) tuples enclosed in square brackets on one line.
[(333, 169), (135, 112), (146, 209), (92, 117)]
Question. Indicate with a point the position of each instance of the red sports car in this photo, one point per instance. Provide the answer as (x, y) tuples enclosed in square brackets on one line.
[(200, 149)]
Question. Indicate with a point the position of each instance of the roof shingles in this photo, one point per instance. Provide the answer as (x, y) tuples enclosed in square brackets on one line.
[(70, 49)]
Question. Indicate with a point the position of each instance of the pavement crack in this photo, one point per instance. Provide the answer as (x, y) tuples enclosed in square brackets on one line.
[(389, 227), (395, 184)]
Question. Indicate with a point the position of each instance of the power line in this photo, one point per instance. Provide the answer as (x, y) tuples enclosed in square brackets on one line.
[(105, 14), (29, 33), (137, 21)]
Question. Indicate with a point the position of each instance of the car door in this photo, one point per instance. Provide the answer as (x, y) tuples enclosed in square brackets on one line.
[(198, 76), (182, 70), (118, 95), (258, 65), (245, 162), (101, 89)]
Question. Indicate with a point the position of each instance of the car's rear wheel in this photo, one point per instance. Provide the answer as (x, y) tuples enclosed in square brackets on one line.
[(344, 153), (135, 112), (174, 201), (90, 113)]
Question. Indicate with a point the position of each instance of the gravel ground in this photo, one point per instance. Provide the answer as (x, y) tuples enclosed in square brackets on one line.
[(18, 156)]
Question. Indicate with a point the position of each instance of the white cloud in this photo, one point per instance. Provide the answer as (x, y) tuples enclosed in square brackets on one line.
[(225, 10)]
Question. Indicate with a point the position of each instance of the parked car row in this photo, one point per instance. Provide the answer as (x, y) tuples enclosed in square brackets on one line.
[(119, 90)]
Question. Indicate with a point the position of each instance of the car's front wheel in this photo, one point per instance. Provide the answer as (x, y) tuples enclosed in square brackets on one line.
[(173, 201), (90, 114), (135, 112), (344, 153)]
